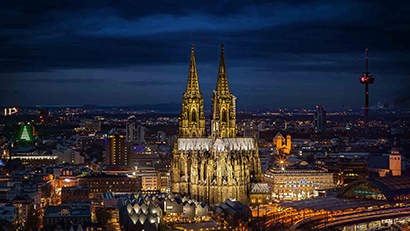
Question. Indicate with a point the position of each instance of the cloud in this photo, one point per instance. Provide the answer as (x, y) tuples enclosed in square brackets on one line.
[(54, 80), (308, 41), (145, 83), (115, 34)]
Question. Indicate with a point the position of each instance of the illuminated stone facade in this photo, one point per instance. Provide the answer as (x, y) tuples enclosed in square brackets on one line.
[(297, 184), (192, 118), (216, 167), (283, 146)]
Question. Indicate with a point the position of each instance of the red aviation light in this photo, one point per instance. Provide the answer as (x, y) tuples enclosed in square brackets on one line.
[(366, 78)]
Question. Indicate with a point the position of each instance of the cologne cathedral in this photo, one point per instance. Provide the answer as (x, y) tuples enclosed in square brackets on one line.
[(217, 166)]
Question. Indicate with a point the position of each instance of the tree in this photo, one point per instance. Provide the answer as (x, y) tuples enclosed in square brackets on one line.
[(103, 216)]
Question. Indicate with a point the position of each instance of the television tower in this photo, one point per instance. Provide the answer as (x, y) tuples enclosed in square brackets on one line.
[(366, 79)]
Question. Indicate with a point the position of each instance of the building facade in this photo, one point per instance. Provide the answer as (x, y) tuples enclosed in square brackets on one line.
[(140, 134), (319, 120), (216, 167), (66, 215), (103, 183), (283, 146), (36, 160), (115, 150), (297, 184), (75, 193), (130, 132)]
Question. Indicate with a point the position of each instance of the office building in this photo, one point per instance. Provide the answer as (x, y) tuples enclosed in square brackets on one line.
[(115, 153), (141, 154), (67, 155), (130, 132), (103, 183), (140, 134), (319, 120)]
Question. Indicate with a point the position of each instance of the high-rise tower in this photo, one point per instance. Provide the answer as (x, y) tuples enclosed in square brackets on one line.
[(319, 119), (223, 115), (130, 132), (366, 79), (192, 118)]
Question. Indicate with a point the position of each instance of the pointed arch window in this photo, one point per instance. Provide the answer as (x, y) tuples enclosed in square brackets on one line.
[(224, 115), (194, 115)]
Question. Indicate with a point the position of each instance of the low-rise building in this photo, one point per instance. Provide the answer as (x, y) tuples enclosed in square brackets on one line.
[(67, 155), (66, 216), (8, 213), (103, 183), (260, 194), (146, 211), (74, 193), (346, 171), (386, 164), (233, 212), (36, 160)]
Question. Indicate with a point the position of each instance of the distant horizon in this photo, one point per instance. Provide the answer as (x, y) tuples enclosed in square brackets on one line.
[(179, 105)]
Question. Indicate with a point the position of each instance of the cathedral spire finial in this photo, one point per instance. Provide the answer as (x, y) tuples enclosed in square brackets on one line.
[(193, 84), (222, 84)]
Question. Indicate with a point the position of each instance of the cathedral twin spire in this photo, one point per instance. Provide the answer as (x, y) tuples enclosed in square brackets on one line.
[(222, 85), (193, 85), (223, 116), (192, 118)]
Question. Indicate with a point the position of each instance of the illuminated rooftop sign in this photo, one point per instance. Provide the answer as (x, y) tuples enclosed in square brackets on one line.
[(25, 134)]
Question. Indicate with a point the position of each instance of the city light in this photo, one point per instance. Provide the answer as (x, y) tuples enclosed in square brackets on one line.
[(118, 128)]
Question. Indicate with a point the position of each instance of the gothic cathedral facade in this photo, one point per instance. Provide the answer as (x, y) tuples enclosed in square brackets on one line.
[(212, 168)]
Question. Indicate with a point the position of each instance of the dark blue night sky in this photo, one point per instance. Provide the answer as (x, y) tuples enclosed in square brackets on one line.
[(278, 54)]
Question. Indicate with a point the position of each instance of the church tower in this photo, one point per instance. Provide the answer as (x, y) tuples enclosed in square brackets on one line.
[(213, 168), (223, 114), (192, 118)]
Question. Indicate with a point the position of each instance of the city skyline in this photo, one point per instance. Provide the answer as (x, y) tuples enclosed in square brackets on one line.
[(125, 54)]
